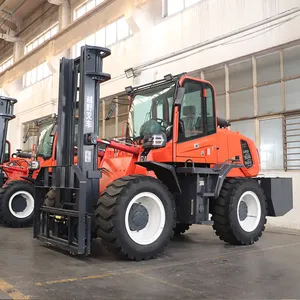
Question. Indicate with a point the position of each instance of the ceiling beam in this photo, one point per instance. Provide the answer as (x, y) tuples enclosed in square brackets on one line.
[(2, 6), (8, 38), (5, 14), (4, 11), (6, 23), (59, 2)]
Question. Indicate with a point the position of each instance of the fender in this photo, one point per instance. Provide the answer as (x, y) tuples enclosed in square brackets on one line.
[(29, 179), (165, 173)]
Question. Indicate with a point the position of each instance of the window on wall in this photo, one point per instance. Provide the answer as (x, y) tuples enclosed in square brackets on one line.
[(221, 106), (240, 75), (85, 7), (6, 64), (263, 90), (268, 68), (217, 79), (105, 37), (291, 71), (291, 62), (269, 99), (246, 128), (271, 144), (46, 35), (37, 74), (241, 104), (173, 6)]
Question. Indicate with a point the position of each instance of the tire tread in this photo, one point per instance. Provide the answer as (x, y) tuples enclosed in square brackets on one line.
[(5, 218), (105, 213), (223, 208)]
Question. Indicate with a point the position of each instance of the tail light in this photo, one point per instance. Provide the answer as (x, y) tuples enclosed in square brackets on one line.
[(247, 157)]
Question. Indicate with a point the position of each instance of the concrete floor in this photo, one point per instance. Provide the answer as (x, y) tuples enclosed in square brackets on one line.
[(195, 266)]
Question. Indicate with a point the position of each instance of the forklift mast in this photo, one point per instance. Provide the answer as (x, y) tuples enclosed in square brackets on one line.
[(6, 114), (77, 186)]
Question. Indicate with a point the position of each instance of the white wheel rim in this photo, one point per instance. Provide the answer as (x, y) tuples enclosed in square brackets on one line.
[(249, 211), (29, 205), (156, 219)]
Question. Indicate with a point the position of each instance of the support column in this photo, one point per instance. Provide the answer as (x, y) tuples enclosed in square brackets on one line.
[(64, 16), (18, 50)]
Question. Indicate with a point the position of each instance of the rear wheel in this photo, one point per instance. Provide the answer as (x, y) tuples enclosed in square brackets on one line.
[(17, 203), (135, 217), (239, 213)]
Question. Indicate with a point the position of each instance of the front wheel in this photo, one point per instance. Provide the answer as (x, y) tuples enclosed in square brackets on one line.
[(135, 217), (17, 203), (239, 214)]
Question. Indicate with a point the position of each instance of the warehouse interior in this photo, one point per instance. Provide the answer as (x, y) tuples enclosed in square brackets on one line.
[(248, 50)]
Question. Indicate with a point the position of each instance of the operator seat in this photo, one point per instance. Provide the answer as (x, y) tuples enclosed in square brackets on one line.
[(189, 120)]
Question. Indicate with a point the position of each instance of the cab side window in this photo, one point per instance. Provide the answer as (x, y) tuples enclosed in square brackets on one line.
[(191, 111), (211, 119), (197, 117)]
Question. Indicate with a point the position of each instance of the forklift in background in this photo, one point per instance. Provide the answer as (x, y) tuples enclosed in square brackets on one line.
[(179, 164)]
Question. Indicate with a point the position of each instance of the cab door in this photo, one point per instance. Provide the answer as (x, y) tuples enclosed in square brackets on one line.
[(197, 124)]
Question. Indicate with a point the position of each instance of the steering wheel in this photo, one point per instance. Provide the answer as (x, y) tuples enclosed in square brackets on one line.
[(163, 123)]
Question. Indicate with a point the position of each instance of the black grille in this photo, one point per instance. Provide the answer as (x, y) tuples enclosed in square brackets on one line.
[(248, 162)]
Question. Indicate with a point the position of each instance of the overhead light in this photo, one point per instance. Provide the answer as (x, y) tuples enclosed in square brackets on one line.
[(168, 77), (129, 73)]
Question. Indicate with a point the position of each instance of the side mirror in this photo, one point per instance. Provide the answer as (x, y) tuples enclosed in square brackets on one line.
[(179, 95), (222, 123), (111, 110)]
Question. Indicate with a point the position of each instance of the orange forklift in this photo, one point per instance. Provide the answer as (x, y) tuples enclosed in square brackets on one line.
[(178, 165)]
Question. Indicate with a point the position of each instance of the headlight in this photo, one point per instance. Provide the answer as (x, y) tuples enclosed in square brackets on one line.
[(154, 141), (34, 165)]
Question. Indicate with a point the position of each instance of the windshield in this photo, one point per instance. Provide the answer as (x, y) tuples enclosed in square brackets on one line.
[(151, 111), (45, 141)]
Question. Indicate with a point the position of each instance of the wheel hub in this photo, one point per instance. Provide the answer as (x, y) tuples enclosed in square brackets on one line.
[(249, 211), (138, 217), (19, 203), (243, 211)]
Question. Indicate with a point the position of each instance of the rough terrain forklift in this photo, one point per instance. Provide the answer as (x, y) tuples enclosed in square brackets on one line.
[(178, 165), (16, 195), (11, 167)]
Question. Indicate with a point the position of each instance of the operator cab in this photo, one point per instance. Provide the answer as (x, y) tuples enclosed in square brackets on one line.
[(151, 111)]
